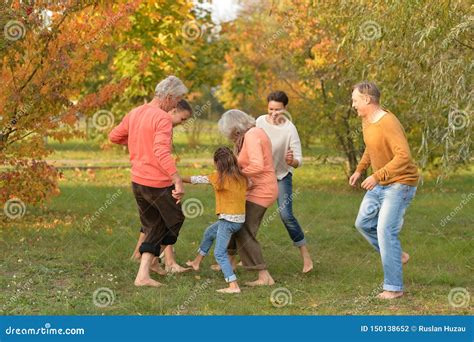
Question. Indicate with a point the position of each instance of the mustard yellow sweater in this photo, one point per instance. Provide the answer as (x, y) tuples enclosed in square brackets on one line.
[(387, 151), (230, 196)]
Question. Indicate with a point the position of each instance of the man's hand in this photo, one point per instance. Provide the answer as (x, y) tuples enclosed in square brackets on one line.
[(354, 178), (178, 192), (369, 183)]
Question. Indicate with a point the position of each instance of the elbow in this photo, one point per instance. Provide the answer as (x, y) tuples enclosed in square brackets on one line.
[(113, 139)]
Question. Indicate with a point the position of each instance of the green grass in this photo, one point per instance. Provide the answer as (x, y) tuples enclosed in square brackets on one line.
[(52, 262), (95, 152)]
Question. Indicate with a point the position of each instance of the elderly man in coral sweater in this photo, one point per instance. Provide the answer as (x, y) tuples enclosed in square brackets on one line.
[(390, 188), (156, 184)]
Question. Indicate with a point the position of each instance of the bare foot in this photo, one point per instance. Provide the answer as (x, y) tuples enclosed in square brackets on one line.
[(157, 269), (175, 268), (307, 266), (215, 267), (193, 265), (268, 281), (240, 264), (229, 290), (405, 258), (147, 282), (390, 294)]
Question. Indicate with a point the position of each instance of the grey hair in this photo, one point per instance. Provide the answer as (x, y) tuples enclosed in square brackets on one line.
[(370, 89), (235, 121), (172, 86)]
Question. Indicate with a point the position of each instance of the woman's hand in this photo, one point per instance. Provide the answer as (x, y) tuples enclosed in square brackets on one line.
[(289, 157)]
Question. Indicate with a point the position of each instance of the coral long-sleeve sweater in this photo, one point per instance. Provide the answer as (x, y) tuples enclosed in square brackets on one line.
[(387, 151), (147, 131), (255, 160)]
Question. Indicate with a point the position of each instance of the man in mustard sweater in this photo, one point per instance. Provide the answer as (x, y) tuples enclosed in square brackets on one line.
[(390, 188)]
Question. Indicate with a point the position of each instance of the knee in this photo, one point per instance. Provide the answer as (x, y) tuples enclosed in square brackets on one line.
[(208, 234), (359, 224), (169, 240), (286, 215)]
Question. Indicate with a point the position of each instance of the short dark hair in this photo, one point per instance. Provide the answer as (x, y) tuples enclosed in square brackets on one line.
[(184, 105), (370, 89), (278, 96)]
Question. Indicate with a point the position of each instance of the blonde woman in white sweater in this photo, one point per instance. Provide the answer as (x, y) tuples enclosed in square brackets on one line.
[(286, 150)]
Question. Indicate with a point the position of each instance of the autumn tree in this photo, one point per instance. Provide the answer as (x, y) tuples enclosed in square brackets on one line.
[(420, 57), (45, 57)]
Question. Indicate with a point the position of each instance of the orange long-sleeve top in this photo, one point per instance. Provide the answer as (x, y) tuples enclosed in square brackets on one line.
[(387, 151), (148, 131), (256, 162)]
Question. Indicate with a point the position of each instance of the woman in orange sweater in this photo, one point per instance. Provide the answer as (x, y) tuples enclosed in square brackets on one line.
[(230, 187), (254, 151)]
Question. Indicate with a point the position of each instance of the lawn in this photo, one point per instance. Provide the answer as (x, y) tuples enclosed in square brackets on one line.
[(54, 258)]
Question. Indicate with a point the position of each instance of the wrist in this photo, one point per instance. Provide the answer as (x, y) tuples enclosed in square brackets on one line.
[(176, 178)]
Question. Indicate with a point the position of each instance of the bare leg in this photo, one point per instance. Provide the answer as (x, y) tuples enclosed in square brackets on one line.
[(136, 253), (264, 279), (171, 266), (307, 262), (233, 288), (143, 276), (196, 262), (156, 267)]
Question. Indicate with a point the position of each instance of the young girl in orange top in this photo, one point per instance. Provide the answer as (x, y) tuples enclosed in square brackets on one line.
[(230, 187)]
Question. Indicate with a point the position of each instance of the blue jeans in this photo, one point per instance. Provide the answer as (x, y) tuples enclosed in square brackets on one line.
[(221, 231), (285, 207), (380, 221)]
